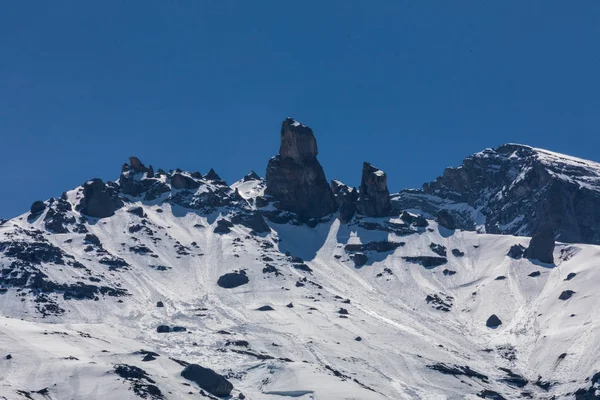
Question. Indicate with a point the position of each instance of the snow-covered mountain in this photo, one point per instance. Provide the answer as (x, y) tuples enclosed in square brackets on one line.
[(516, 190), (175, 285)]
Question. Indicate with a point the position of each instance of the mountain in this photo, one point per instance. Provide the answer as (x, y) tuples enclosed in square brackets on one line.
[(516, 190), (176, 285)]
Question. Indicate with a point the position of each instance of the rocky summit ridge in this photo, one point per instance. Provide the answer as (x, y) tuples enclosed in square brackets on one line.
[(173, 284)]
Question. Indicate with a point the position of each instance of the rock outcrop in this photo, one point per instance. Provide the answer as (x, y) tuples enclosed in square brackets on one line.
[(373, 197), (515, 189), (295, 179), (345, 197), (541, 246), (207, 379), (99, 200)]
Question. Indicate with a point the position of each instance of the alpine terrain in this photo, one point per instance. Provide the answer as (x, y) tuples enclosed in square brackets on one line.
[(176, 285)]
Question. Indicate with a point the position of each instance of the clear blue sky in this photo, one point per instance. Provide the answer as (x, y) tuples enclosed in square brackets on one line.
[(411, 86)]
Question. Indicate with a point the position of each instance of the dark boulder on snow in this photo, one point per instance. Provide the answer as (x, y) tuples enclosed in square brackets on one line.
[(295, 179), (208, 380), (160, 304), (373, 197), (493, 321), (516, 251), (99, 200), (541, 246), (232, 280), (345, 197), (566, 295), (360, 259), (223, 226), (163, 329), (265, 308), (37, 208), (570, 276), (139, 211)]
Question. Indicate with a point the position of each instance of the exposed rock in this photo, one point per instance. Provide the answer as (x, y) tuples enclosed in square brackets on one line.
[(570, 276), (99, 200), (181, 181), (252, 176), (413, 219), (427, 261), (137, 165), (380, 247), (360, 259), (139, 211), (438, 249), (163, 329), (535, 274), (295, 179), (457, 253), (493, 321), (208, 380), (232, 280), (253, 220), (223, 226), (213, 176), (373, 197), (441, 302), (345, 197), (566, 295), (265, 308), (541, 246), (445, 219), (159, 304), (37, 208), (517, 189), (516, 251)]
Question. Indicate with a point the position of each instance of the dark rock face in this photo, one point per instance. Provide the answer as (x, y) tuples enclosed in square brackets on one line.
[(37, 208), (181, 181), (374, 197), (252, 176), (518, 189), (541, 247), (208, 380), (345, 197), (412, 219), (295, 179), (360, 259), (232, 280), (446, 219), (427, 261), (493, 321), (223, 226), (99, 200), (137, 165), (516, 251)]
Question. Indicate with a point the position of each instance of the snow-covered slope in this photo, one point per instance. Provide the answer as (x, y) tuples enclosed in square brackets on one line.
[(355, 314)]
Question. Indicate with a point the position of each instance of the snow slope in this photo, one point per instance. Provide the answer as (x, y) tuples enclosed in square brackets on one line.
[(336, 331)]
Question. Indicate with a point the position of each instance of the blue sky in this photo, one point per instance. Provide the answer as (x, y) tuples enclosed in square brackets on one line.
[(411, 86)]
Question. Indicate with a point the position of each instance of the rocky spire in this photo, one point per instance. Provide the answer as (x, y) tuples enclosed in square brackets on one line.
[(345, 197), (295, 179), (374, 197), (541, 246)]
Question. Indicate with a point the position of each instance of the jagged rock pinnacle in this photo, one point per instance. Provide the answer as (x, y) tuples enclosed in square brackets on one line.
[(374, 197), (295, 179)]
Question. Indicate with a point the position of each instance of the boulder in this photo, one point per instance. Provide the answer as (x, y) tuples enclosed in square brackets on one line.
[(541, 246), (223, 226), (232, 280), (493, 321), (295, 179), (345, 197), (208, 380), (37, 208), (566, 295), (516, 251), (373, 197), (99, 200)]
